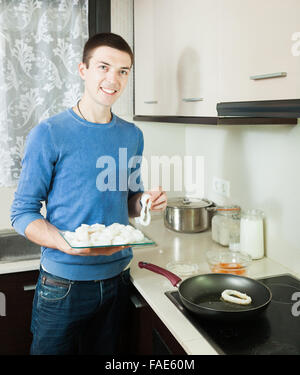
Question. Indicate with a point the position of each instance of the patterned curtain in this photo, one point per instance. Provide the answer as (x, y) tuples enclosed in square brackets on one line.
[(41, 44)]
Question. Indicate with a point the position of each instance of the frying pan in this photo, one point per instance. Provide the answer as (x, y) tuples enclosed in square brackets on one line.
[(201, 294)]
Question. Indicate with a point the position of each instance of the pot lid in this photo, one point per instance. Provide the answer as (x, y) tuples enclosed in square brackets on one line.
[(187, 202)]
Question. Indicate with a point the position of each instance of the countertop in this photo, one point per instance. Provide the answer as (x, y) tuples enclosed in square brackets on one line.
[(173, 246), (170, 246)]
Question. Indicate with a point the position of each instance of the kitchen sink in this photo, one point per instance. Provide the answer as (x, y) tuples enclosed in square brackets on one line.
[(14, 247)]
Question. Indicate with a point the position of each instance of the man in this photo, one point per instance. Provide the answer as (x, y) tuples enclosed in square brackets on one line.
[(81, 294)]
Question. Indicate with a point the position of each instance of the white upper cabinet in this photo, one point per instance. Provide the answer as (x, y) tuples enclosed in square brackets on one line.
[(192, 54), (175, 57), (146, 89), (194, 57), (255, 41)]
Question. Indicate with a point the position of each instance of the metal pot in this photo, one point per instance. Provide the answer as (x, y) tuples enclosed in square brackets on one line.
[(188, 215)]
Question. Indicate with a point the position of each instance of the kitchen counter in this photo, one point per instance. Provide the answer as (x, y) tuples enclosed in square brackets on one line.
[(19, 266), (173, 246), (170, 246)]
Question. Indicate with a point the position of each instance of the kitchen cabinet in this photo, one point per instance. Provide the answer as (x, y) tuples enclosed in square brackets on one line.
[(146, 88), (147, 334), (175, 61), (18, 289), (255, 50), (191, 56), (144, 332)]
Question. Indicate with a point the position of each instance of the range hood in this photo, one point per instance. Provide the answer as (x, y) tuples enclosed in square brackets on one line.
[(284, 109)]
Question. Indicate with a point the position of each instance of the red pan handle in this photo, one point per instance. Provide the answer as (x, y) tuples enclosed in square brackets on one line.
[(175, 280)]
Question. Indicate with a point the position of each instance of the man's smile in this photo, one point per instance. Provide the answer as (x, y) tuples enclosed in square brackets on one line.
[(108, 91)]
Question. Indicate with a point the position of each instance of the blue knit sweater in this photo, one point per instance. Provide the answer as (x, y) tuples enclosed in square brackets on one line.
[(81, 170)]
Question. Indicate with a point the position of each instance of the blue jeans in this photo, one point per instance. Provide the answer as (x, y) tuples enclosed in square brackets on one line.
[(78, 317)]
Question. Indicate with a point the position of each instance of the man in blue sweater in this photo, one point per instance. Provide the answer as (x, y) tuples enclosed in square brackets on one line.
[(82, 295)]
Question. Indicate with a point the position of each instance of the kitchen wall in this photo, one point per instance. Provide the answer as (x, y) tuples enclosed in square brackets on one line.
[(262, 164), (6, 198)]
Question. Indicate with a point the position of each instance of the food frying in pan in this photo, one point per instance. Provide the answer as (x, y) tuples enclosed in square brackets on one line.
[(234, 296), (201, 294)]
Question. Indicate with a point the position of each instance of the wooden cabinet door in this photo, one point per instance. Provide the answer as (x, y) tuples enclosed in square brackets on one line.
[(147, 90), (255, 39), (147, 334), (176, 57), (18, 289), (193, 30)]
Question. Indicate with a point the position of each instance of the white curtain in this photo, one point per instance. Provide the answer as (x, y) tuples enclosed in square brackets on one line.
[(41, 44)]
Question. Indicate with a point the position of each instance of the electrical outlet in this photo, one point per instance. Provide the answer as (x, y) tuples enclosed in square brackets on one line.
[(221, 187)]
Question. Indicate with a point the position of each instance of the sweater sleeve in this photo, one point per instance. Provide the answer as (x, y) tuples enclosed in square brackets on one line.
[(135, 183), (35, 178)]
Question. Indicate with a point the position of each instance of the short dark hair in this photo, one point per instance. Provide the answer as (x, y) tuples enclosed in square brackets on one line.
[(105, 39)]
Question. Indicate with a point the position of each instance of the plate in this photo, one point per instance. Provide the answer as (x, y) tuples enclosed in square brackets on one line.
[(145, 242)]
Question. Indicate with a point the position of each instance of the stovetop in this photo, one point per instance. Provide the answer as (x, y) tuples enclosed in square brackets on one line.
[(276, 331)]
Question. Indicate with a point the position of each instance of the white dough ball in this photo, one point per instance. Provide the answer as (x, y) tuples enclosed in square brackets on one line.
[(115, 228), (129, 236), (107, 232), (101, 241), (120, 240), (82, 236), (138, 235), (95, 235), (101, 235), (96, 228), (69, 235), (84, 226), (81, 230)]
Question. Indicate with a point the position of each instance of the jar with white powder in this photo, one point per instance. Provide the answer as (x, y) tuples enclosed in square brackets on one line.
[(252, 233), (225, 225)]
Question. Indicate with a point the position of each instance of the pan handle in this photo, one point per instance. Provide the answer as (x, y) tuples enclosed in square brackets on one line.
[(175, 280)]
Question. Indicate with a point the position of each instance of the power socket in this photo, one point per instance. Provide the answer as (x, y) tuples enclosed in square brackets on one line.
[(221, 187)]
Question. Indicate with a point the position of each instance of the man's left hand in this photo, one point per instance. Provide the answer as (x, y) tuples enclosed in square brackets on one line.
[(159, 199)]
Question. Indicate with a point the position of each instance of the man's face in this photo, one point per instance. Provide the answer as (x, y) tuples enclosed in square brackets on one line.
[(107, 74)]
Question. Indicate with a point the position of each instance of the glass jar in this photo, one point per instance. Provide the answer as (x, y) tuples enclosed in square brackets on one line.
[(252, 233), (225, 225)]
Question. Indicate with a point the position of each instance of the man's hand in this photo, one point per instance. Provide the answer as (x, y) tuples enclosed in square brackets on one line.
[(158, 198)]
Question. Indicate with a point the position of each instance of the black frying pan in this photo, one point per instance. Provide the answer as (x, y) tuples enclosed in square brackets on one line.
[(201, 294)]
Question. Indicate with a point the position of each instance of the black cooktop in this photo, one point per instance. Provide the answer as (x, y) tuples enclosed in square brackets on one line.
[(276, 331)]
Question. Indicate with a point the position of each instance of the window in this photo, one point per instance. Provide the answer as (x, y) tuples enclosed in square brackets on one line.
[(41, 44)]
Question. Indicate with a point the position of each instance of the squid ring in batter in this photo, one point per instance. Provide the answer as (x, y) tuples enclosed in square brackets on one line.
[(237, 297)]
